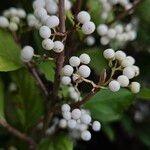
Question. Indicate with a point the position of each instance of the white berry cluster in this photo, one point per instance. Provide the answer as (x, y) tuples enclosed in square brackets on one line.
[(11, 18), (27, 53), (88, 27), (118, 33), (79, 121), (76, 71), (128, 69), (109, 4), (45, 13)]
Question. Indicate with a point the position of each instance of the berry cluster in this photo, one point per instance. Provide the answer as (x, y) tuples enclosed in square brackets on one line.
[(125, 64), (45, 13), (109, 4), (76, 71), (78, 121), (88, 27), (11, 18), (117, 33)]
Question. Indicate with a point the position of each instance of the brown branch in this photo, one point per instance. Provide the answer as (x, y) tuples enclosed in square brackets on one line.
[(18, 134), (126, 12), (35, 74)]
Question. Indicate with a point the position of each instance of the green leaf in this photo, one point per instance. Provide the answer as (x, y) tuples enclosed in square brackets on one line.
[(9, 53), (109, 131), (108, 106), (1, 100), (47, 68), (28, 100), (144, 94), (57, 142)]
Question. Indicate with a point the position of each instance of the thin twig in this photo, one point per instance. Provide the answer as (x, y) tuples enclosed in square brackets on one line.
[(18, 134), (35, 74), (126, 12)]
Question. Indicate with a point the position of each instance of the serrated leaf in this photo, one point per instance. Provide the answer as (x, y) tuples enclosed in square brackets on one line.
[(9, 53), (144, 94), (108, 106), (47, 68), (57, 142), (28, 100), (2, 116)]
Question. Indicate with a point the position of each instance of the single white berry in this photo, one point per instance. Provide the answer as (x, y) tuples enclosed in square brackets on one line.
[(66, 115), (74, 61), (45, 32), (132, 35), (68, 5), (118, 28), (83, 127), (120, 55), (74, 95), (72, 123), (130, 59), (85, 58), (85, 118), (84, 71), (58, 46), (129, 72), (15, 19), (63, 123), (4, 23), (47, 44), (76, 114), (123, 80), (51, 7), (96, 126), (65, 80), (40, 12), (104, 40), (21, 13), (52, 21), (114, 86), (13, 11), (135, 87), (111, 33), (126, 63), (88, 27), (67, 70), (86, 135), (109, 53), (27, 53), (102, 29), (13, 26), (136, 70), (83, 16), (65, 108), (90, 40), (38, 4)]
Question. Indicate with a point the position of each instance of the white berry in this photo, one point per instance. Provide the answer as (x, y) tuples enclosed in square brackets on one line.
[(85, 118), (58, 46), (120, 55), (109, 53), (63, 123), (76, 114), (74, 61), (86, 135), (83, 17), (102, 29), (126, 63), (40, 12), (96, 126), (66, 115), (65, 108), (123, 80), (72, 123), (111, 33), (129, 72), (67, 70), (135, 87), (45, 32), (114, 86), (104, 40), (85, 58), (27, 53), (65, 80), (13, 26), (4, 23), (52, 21), (47, 44), (90, 40), (130, 59), (84, 71), (88, 27), (136, 70)]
